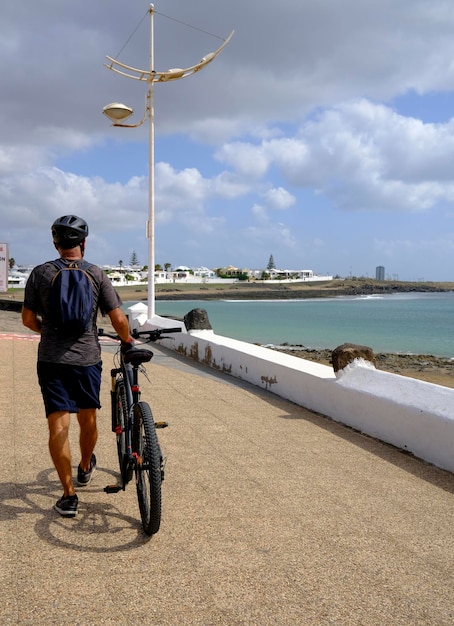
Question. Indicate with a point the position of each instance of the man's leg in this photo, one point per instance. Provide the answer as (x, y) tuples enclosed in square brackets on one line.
[(88, 436), (58, 423)]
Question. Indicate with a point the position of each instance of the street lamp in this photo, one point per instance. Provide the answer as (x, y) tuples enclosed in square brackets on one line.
[(118, 113)]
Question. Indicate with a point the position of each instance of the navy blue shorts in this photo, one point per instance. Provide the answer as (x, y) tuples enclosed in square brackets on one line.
[(69, 387)]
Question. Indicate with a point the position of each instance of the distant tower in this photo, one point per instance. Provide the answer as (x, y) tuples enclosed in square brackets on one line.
[(380, 272)]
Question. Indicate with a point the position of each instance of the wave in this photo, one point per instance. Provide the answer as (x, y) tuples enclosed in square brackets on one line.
[(370, 297)]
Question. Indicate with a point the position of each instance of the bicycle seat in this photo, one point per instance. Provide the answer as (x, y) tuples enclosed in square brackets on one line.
[(136, 356)]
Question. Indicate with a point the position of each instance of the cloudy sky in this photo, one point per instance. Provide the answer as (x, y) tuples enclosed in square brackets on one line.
[(323, 134)]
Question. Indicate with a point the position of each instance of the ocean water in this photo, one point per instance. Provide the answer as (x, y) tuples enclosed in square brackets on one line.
[(416, 323)]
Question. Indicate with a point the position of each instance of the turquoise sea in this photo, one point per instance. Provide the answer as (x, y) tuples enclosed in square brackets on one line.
[(417, 323)]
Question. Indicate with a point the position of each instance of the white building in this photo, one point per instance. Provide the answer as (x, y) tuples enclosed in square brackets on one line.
[(122, 275), (289, 275)]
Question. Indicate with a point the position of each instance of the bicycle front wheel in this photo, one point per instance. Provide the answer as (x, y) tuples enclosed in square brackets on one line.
[(148, 468)]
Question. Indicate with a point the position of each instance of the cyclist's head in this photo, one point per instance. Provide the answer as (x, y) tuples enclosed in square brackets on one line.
[(69, 231)]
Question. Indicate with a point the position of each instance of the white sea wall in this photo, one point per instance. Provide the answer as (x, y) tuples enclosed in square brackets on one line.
[(410, 414)]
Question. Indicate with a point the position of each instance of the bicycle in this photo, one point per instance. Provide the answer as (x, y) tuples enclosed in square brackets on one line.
[(138, 449)]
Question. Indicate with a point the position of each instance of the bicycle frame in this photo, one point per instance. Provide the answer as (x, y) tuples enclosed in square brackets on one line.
[(130, 375), (138, 449)]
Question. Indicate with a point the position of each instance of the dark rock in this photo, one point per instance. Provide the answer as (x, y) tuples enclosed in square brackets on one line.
[(348, 352), (197, 319)]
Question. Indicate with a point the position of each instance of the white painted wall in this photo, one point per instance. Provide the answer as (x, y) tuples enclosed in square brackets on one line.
[(410, 414)]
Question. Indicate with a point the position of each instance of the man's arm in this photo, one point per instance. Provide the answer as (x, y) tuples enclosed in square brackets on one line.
[(31, 320), (120, 323)]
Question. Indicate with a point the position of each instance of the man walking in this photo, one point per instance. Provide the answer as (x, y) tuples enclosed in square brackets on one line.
[(69, 367)]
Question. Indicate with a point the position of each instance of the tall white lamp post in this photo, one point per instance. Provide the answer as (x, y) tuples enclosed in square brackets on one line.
[(118, 113)]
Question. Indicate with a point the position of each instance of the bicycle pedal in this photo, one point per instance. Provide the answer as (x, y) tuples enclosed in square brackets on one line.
[(161, 424), (112, 488)]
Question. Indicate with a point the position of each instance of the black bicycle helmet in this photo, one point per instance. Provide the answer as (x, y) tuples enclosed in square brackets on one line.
[(68, 231)]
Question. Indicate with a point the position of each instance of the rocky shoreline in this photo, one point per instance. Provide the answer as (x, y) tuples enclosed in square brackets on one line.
[(437, 370), (295, 291)]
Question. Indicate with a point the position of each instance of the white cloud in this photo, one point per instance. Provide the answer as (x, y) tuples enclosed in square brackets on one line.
[(248, 159), (321, 53), (297, 117), (364, 156), (260, 213), (184, 194), (275, 199), (15, 160), (279, 199)]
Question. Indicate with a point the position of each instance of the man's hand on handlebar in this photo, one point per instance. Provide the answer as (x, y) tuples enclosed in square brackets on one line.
[(127, 345)]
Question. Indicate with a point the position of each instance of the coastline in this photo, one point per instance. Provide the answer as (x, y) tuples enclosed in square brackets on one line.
[(428, 368), (274, 290), (280, 291)]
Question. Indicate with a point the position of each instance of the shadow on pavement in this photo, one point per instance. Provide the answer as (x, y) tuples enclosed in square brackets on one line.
[(99, 527)]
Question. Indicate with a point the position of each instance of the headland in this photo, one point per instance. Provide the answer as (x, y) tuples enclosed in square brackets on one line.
[(257, 290), (276, 290)]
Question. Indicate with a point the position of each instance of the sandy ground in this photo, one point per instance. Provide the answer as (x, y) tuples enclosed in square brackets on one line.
[(423, 367)]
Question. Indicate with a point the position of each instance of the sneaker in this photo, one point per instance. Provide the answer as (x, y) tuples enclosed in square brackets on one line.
[(67, 505), (83, 478)]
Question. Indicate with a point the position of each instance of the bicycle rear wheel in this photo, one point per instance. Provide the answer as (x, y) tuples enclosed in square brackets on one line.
[(148, 469), (119, 421)]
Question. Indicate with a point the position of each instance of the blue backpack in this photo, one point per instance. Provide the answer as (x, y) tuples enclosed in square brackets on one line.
[(71, 297)]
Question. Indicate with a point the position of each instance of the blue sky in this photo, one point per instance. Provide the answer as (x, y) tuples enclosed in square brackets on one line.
[(322, 134)]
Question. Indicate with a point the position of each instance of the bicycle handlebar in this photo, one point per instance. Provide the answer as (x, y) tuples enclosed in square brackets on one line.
[(156, 333), (148, 335)]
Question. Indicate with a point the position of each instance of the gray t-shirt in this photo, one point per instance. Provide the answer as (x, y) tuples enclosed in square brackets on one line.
[(53, 347)]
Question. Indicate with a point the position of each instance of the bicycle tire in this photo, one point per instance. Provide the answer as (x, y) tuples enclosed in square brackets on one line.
[(148, 468), (119, 421)]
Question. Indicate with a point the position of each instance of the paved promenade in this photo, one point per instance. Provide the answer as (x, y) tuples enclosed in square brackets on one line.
[(272, 515)]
